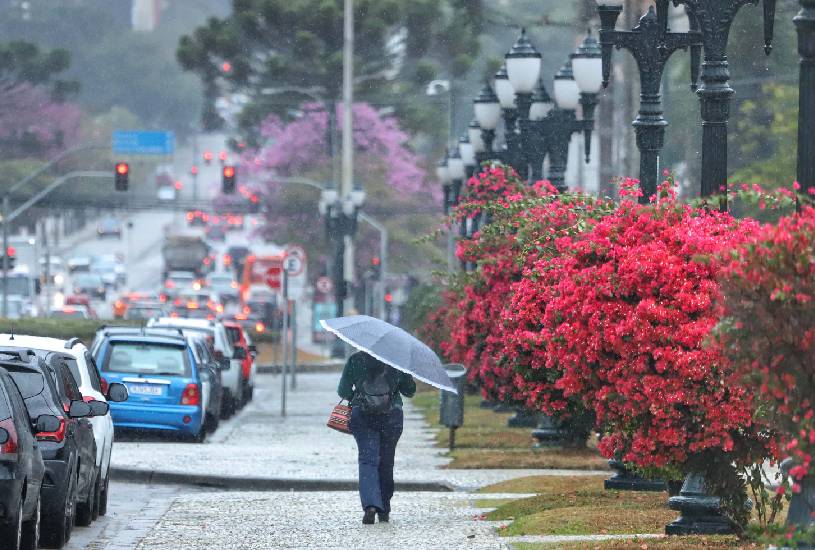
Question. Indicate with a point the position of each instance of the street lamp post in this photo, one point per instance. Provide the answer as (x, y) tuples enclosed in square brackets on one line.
[(559, 125), (533, 142), (805, 24), (651, 44), (488, 114), (715, 18)]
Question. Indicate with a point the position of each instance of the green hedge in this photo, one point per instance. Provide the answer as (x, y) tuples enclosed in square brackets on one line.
[(84, 329)]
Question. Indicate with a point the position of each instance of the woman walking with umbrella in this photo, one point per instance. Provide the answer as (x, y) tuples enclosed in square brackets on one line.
[(373, 381), (374, 389)]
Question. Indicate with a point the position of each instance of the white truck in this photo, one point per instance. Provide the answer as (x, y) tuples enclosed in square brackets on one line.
[(22, 284)]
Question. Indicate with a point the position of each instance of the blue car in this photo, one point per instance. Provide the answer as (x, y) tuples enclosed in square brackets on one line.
[(163, 381)]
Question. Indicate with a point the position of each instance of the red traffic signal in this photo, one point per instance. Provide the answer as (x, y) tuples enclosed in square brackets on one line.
[(207, 156), (228, 180), (121, 176), (222, 156), (375, 261)]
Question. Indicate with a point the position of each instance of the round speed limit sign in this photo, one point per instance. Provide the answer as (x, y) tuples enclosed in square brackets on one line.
[(294, 265)]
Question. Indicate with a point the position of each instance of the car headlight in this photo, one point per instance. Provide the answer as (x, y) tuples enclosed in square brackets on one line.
[(59, 279)]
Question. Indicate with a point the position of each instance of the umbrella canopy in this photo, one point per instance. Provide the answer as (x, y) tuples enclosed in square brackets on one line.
[(393, 346)]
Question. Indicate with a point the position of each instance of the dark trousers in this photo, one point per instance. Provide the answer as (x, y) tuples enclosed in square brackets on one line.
[(376, 437)]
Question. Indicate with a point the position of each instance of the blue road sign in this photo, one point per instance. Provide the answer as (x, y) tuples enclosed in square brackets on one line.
[(143, 142)]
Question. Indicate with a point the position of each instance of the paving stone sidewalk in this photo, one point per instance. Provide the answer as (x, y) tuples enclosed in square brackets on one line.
[(259, 443)]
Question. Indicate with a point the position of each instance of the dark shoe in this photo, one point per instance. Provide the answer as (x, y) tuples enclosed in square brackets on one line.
[(370, 515), (384, 517)]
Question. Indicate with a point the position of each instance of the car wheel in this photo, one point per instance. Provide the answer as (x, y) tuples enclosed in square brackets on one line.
[(212, 423), (57, 535), (103, 499), (84, 510), (11, 533), (97, 496), (227, 405), (31, 529)]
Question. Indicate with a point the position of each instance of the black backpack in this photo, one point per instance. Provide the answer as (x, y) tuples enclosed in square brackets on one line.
[(376, 396)]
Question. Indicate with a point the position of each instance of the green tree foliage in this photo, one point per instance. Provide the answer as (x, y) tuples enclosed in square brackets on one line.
[(281, 52), (26, 64)]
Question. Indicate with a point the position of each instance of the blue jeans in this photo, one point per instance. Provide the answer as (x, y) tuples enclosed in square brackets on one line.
[(376, 437)]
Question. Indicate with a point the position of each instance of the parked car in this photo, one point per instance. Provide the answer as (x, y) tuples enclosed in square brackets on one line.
[(239, 339), (21, 467), (163, 383), (92, 388), (229, 357), (63, 449), (109, 227), (90, 284)]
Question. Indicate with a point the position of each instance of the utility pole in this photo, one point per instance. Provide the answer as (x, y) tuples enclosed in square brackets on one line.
[(347, 180)]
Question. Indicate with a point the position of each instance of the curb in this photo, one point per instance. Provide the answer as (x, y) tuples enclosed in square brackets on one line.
[(303, 369), (262, 484)]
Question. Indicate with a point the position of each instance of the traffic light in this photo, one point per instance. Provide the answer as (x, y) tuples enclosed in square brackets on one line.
[(228, 180), (254, 204), (376, 268), (12, 253), (207, 157), (122, 176)]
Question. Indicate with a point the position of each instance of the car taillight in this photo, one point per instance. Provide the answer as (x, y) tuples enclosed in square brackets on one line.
[(260, 327), (177, 302), (57, 436), (8, 450), (227, 259), (191, 396), (169, 283), (104, 385)]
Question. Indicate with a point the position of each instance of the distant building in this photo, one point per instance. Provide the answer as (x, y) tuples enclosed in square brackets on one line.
[(145, 14)]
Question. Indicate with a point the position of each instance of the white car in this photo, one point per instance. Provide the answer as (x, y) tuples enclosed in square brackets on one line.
[(90, 384), (231, 376)]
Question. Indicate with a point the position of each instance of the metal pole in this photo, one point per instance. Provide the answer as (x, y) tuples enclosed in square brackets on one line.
[(47, 279), (383, 255), (805, 24), (294, 345), (284, 336), (5, 254), (347, 180)]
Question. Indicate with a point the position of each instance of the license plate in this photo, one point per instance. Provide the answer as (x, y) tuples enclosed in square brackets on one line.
[(144, 389)]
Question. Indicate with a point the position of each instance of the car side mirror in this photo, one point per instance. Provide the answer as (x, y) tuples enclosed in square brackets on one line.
[(48, 423), (116, 392), (239, 353), (4, 436), (79, 409), (98, 408)]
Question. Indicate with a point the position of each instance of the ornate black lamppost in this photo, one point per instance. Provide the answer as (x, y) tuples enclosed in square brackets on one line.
[(562, 122), (533, 142), (714, 18), (651, 44), (510, 154), (805, 23), (488, 115)]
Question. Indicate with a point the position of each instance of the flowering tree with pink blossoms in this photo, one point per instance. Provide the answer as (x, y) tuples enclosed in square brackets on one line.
[(399, 190)]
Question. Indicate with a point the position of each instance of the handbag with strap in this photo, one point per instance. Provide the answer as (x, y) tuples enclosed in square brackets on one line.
[(340, 418)]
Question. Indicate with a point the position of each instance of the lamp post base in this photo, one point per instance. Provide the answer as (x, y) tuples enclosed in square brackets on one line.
[(700, 513), (523, 418), (626, 480)]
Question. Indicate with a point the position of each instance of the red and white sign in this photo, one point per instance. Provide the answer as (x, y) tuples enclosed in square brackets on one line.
[(274, 277), (324, 285)]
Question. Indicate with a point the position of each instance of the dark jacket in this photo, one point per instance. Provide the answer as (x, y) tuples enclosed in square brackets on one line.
[(357, 369)]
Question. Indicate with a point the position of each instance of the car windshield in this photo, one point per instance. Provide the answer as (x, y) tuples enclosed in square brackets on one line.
[(18, 285), (147, 359), (88, 281), (221, 280), (143, 313), (69, 313)]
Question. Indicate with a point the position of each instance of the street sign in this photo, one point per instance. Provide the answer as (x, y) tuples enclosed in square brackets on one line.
[(296, 250), (324, 285), (274, 277), (294, 265), (143, 142)]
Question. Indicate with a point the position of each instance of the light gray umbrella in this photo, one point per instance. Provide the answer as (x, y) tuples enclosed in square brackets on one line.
[(393, 346)]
